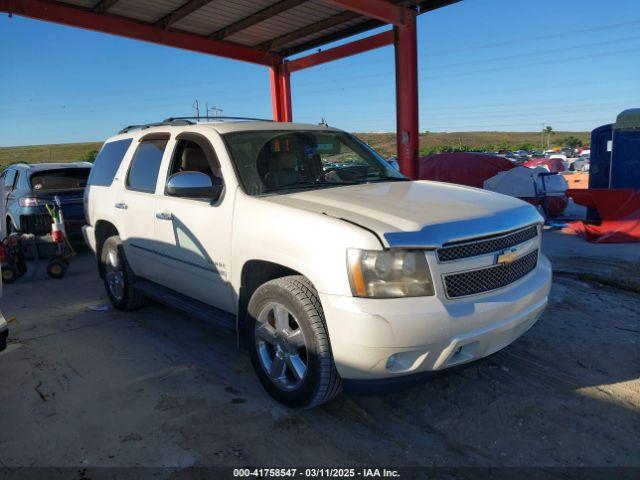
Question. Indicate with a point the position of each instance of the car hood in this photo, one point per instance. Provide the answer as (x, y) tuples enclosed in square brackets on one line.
[(417, 214)]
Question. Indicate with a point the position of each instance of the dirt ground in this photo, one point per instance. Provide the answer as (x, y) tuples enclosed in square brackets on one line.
[(84, 388)]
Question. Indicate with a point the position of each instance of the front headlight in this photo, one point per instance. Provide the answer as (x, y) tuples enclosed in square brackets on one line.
[(389, 273)]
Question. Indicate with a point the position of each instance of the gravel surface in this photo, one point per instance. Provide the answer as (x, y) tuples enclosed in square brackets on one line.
[(85, 388)]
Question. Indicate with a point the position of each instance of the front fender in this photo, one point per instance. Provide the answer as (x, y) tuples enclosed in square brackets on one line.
[(310, 243)]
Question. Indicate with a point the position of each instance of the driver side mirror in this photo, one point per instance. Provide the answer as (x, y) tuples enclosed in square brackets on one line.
[(196, 185)]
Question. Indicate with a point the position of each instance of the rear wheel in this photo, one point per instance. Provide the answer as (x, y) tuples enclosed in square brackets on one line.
[(9, 274), (57, 269), (289, 344), (119, 278)]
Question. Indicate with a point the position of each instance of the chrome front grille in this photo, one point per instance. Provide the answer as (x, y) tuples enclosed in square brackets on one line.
[(491, 278), (489, 245)]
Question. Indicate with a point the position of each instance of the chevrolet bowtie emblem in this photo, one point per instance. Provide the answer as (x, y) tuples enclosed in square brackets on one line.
[(507, 257)]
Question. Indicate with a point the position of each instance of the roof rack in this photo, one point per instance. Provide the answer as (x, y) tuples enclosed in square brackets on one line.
[(217, 119), (181, 121), (167, 122)]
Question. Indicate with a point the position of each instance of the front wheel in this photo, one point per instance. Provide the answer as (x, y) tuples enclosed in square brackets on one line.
[(119, 278), (289, 343)]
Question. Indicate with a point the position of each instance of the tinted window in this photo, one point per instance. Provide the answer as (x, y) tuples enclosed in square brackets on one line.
[(9, 178), (107, 162), (271, 161), (145, 165), (66, 179)]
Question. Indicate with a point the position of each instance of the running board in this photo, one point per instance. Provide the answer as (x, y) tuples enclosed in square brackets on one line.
[(194, 308)]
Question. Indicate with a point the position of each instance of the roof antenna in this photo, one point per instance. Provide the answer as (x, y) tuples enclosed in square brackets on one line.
[(196, 106), (323, 122)]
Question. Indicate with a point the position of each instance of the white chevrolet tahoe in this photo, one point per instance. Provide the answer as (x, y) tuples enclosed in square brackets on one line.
[(331, 266)]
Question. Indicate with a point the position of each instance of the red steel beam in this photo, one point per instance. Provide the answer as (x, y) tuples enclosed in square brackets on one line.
[(353, 48), (281, 92), (382, 10), (407, 95), (106, 23)]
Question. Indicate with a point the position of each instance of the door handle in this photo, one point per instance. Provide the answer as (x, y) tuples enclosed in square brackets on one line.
[(121, 206), (164, 216)]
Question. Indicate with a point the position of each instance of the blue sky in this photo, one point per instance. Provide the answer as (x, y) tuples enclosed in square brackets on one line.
[(484, 65)]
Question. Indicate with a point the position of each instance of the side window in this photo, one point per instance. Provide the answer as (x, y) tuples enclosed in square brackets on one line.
[(9, 179), (145, 166), (107, 163), (190, 156)]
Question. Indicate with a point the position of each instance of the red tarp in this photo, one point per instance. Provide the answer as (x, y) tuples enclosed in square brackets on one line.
[(619, 210), (554, 165), (470, 169)]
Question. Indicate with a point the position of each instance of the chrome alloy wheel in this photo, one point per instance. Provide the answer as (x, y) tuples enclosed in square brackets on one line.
[(281, 346), (114, 275)]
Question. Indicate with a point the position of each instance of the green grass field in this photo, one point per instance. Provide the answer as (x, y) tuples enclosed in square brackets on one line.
[(64, 152), (382, 142), (385, 143)]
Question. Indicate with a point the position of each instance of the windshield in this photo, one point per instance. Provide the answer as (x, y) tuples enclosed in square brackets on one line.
[(64, 179), (285, 160)]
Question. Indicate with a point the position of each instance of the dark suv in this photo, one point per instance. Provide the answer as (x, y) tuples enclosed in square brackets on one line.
[(28, 188)]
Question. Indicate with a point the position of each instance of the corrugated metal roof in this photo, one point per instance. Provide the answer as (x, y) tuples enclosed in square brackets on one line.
[(279, 26)]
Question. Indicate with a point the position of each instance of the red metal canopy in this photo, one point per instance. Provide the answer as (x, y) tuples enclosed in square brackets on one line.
[(264, 32)]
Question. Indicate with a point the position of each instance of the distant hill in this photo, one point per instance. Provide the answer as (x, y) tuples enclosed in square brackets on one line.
[(385, 143), (63, 152)]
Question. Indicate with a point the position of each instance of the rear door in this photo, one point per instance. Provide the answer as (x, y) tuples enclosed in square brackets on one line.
[(11, 207), (194, 235), (8, 179), (136, 204)]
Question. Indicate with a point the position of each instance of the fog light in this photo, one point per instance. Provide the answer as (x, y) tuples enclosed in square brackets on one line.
[(391, 361)]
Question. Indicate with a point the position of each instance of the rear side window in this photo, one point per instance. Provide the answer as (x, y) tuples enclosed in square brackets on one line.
[(107, 163), (9, 179), (145, 166)]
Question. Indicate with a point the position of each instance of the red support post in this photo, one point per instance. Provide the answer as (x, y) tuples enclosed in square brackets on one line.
[(406, 45), (281, 91)]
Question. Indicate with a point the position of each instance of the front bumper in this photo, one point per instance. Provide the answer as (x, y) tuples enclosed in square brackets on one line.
[(428, 334)]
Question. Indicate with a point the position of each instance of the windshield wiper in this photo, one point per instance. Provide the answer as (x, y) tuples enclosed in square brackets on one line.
[(299, 185), (388, 179)]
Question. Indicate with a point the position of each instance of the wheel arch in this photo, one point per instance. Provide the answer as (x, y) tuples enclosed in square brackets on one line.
[(103, 230), (255, 273)]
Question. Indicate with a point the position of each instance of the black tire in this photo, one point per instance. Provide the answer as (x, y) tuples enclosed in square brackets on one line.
[(11, 229), (9, 274), (131, 298), (57, 269), (321, 381)]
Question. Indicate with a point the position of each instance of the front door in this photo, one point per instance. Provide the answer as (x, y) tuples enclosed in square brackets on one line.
[(135, 206), (194, 235)]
